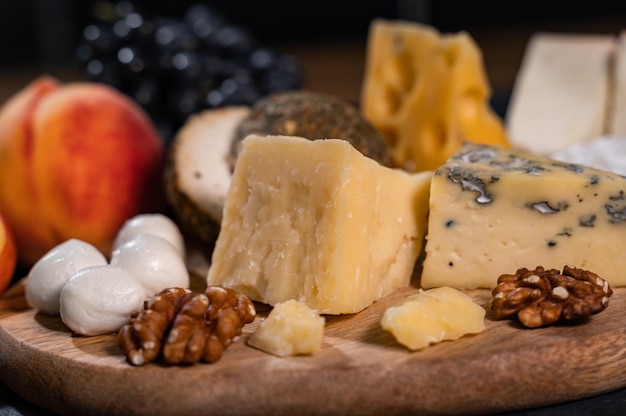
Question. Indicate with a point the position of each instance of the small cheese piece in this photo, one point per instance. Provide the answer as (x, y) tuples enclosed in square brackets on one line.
[(318, 222), (493, 211), (431, 316), (426, 92), (561, 93), (291, 328)]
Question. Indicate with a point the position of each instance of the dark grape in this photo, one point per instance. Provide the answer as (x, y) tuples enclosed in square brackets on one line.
[(172, 35), (100, 37), (187, 66), (123, 8), (104, 71), (84, 53), (147, 92), (176, 66), (284, 75), (184, 100), (204, 22), (131, 60), (238, 92), (235, 41), (134, 29), (262, 59)]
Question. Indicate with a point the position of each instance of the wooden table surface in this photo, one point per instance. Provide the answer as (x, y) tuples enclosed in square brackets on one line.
[(337, 67)]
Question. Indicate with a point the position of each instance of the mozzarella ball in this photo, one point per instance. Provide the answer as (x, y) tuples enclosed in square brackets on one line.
[(100, 299), (47, 276), (153, 262), (155, 224)]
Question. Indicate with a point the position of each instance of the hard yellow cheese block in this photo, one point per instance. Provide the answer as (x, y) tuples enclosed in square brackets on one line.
[(318, 222), (427, 93), (291, 328), (432, 316), (493, 211)]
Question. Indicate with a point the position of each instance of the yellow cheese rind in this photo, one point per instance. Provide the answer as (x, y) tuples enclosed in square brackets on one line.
[(318, 222), (427, 93), (493, 211), (291, 328), (432, 316)]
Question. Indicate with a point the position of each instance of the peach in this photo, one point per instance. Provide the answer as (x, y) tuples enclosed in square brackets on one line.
[(8, 255), (76, 161)]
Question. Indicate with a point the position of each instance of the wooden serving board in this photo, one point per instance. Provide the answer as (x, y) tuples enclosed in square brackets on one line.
[(361, 369)]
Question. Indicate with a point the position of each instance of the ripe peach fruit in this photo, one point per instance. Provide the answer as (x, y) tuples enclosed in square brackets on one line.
[(8, 255), (76, 161)]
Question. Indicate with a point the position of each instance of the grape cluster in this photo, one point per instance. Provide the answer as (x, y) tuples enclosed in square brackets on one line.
[(177, 66)]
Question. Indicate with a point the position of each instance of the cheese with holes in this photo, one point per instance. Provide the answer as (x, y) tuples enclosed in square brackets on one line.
[(318, 222), (493, 211), (291, 328), (426, 92), (431, 316), (561, 94)]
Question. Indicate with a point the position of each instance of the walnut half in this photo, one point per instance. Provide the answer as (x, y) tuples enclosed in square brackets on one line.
[(185, 327), (542, 297)]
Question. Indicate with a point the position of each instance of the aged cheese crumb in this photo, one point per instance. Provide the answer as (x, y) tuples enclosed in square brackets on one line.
[(318, 222), (291, 328), (432, 316)]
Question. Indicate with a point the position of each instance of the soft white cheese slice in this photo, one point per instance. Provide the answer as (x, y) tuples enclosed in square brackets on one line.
[(562, 91)]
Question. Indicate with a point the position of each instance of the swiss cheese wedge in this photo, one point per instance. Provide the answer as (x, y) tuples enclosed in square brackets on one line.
[(427, 93)]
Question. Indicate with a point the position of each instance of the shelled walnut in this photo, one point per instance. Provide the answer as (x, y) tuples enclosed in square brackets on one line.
[(542, 297), (185, 327), (142, 338)]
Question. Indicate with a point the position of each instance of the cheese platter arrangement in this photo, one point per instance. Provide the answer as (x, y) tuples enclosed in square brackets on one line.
[(414, 254)]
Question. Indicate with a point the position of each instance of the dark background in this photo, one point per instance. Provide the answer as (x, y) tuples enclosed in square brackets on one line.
[(46, 32)]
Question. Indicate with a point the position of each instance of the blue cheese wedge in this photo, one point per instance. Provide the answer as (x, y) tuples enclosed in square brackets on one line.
[(493, 211)]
